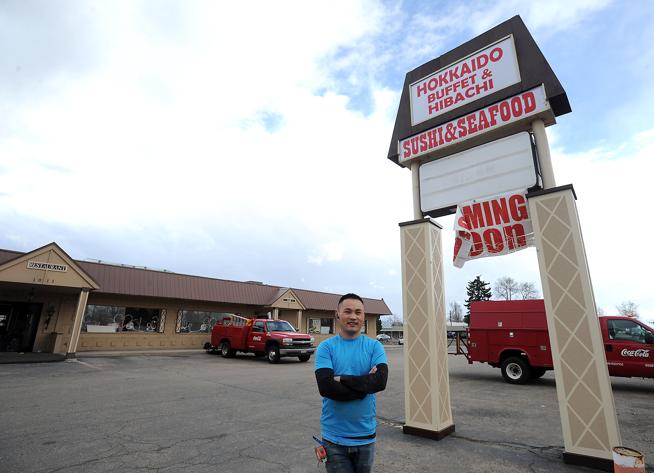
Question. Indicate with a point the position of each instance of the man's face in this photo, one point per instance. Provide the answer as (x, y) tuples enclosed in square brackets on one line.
[(349, 317)]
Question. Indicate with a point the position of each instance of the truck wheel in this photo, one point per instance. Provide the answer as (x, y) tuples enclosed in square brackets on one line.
[(272, 352), (516, 370), (537, 372), (226, 350), (304, 357)]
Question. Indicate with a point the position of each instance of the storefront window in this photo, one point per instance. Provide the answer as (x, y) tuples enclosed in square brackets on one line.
[(112, 319), (198, 321), (321, 326)]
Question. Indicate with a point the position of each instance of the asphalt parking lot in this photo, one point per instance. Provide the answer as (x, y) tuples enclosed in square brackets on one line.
[(195, 412)]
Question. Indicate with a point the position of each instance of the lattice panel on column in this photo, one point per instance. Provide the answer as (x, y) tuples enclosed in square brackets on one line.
[(415, 265), (579, 371), (442, 374)]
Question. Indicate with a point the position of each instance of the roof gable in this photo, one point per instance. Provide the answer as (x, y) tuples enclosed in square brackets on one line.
[(287, 299), (47, 266)]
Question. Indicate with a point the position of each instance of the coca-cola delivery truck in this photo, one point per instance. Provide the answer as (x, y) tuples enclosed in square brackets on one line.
[(513, 336), (273, 338)]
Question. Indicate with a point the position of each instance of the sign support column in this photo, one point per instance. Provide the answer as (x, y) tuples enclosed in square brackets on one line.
[(415, 185), (544, 157), (77, 323), (428, 412), (586, 406)]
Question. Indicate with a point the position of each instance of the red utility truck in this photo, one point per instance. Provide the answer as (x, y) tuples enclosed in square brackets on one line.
[(273, 338), (513, 336)]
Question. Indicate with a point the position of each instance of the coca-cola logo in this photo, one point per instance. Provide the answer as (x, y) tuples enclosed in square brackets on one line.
[(641, 353)]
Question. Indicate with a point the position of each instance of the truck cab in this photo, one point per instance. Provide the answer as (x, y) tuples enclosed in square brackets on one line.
[(629, 346)]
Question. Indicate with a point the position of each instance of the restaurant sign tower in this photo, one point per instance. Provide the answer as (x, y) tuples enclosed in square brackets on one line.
[(471, 128)]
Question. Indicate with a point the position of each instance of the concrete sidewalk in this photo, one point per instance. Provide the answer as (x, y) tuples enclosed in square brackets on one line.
[(31, 357), (8, 357)]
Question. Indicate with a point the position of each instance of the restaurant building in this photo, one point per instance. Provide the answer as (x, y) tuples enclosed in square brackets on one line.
[(52, 303)]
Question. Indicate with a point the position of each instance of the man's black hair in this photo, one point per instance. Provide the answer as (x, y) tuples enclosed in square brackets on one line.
[(350, 295)]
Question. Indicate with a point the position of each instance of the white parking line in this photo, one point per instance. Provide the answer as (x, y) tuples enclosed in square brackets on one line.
[(84, 363)]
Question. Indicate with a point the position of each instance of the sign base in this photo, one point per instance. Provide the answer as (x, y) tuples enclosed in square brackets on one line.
[(603, 464), (429, 434)]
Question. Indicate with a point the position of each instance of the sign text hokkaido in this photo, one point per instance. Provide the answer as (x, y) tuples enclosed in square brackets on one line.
[(482, 73)]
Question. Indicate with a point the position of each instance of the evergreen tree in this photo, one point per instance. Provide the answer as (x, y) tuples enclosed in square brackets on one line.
[(477, 290), (379, 325)]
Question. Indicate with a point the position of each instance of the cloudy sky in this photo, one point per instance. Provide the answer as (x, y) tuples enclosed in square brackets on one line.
[(248, 140)]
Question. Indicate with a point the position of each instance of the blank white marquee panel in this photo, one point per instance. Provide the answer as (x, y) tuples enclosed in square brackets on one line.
[(493, 168)]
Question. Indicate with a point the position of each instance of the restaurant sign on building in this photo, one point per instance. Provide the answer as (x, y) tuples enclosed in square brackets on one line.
[(39, 265)]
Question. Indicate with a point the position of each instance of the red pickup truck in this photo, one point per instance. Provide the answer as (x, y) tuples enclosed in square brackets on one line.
[(273, 338), (513, 336)]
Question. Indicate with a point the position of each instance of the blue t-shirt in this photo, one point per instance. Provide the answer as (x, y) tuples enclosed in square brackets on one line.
[(342, 420)]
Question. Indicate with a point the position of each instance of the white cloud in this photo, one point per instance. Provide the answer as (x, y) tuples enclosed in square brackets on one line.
[(545, 18), (376, 286), (332, 251)]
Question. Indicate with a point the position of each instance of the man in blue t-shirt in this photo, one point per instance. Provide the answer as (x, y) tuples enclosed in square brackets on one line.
[(350, 368)]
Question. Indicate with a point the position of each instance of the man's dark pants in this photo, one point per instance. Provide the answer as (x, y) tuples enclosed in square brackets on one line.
[(343, 459)]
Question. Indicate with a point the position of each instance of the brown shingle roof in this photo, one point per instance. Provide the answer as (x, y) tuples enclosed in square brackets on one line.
[(6, 255), (328, 301), (127, 280)]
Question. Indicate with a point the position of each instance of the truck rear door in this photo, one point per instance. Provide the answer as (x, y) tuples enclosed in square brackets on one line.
[(629, 348)]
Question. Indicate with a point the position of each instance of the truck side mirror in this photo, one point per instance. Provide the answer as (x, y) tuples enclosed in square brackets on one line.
[(649, 338)]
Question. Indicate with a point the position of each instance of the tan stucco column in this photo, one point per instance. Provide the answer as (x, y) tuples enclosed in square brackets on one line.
[(588, 419), (299, 320), (77, 323), (275, 314), (427, 408)]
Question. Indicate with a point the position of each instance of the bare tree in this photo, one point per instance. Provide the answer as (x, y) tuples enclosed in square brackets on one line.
[(455, 312), (628, 308), (528, 290), (600, 311), (506, 288)]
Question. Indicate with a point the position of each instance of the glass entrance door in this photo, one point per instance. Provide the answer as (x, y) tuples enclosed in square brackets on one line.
[(18, 325)]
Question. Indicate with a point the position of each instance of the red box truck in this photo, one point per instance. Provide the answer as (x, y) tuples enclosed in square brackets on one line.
[(513, 336)]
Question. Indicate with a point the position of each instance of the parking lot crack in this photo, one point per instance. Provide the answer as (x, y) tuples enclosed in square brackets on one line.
[(80, 464), (517, 445)]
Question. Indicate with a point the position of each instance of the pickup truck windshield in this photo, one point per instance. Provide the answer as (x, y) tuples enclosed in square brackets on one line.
[(279, 326), (627, 330)]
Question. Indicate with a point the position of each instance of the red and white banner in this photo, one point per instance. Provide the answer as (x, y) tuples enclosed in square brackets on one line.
[(518, 107), (482, 73), (490, 227)]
